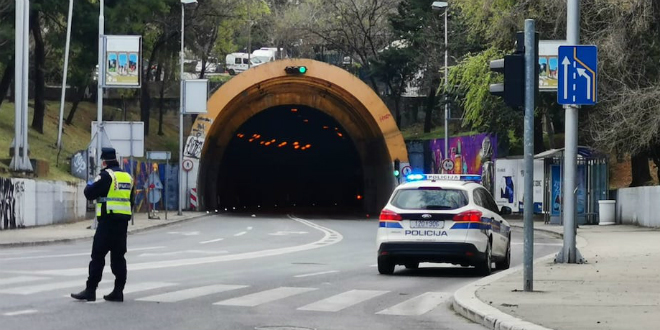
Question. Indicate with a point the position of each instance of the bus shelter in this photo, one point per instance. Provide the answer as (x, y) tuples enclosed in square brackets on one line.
[(592, 184)]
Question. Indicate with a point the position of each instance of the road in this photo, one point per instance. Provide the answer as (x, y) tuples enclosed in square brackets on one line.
[(239, 272)]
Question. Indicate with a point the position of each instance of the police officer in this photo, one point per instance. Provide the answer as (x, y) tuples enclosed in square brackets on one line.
[(113, 191)]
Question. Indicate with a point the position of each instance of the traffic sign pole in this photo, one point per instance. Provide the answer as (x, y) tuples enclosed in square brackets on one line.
[(569, 253), (531, 80)]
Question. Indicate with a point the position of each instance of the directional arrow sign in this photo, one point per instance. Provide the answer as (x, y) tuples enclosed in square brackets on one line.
[(578, 73)]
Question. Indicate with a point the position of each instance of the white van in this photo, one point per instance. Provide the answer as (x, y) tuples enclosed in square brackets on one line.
[(238, 62)]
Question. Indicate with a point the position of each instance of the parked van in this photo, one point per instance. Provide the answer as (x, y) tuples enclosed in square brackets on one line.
[(238, 62)]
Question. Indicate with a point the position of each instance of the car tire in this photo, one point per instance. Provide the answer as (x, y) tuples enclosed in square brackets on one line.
[(506, 262), (232, 72), (411, 265), (484, 267), (385, 266)]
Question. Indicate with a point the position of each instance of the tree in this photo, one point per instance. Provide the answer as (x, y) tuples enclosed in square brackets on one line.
[(359, 28), (6, 49), (39, 68)]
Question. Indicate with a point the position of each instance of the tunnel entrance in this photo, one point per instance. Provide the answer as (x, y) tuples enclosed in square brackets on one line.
[(291, 157)]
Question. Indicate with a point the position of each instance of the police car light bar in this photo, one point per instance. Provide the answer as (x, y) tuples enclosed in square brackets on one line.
[(444, 177)]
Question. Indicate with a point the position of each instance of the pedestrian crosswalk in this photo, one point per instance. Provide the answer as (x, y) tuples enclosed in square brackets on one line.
[(327, 299)]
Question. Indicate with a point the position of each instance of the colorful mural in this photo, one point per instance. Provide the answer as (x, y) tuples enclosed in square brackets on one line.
[(159, 179), (468, 153)]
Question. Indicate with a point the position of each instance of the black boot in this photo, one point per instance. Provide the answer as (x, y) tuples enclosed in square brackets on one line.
[(88, 294), (115, 295)]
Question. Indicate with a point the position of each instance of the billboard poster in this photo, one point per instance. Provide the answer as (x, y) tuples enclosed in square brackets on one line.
[(556, 198), (549, 64), (468, 153), (122, 61)]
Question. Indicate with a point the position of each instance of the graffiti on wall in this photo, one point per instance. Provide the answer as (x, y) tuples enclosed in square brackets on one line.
[(195, 141), (11, 197)]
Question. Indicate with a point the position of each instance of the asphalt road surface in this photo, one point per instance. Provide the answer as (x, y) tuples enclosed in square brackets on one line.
[(239, 272)]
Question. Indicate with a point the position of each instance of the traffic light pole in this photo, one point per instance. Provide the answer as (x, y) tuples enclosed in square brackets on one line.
[(531, 79), (569, 253)]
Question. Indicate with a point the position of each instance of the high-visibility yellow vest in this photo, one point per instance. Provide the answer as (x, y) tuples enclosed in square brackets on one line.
[(118, 200)]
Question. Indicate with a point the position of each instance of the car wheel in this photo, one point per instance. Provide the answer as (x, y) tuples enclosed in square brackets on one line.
[(385, 266), (484, 267), (506, 262), (232, 72), (411, 265)]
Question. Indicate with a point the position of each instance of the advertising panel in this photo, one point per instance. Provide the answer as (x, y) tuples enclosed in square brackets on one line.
[(123, 56)]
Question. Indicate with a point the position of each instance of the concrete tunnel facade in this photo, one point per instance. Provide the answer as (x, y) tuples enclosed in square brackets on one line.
[(330, 90)]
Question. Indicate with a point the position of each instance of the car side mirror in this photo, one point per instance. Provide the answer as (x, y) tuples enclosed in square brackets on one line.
[(505, 210)]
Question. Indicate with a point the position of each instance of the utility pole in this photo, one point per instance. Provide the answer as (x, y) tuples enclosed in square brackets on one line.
[(99, 90), (569, 253), (21, 160), (531, 81)]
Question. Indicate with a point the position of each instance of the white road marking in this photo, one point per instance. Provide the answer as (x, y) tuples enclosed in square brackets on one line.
[(342, 300), (418, 305), (20, 279), (249, 228), (212, 241), (263, 297), (23, 312), (331, 237), (30, 289), (240, 234), (143, 286), (192, 293), (173, 253), (184, 233), (283, 233), (319, 273), (22, 252), (146, 248), (374, 265)]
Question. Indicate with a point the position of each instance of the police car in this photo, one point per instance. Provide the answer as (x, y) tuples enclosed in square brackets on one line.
[(443, 218)]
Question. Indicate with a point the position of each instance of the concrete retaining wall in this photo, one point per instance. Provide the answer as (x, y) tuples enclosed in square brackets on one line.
[(28, 203), (639, 206)]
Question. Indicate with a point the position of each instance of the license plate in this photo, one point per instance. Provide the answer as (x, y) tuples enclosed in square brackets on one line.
[(426, 224)]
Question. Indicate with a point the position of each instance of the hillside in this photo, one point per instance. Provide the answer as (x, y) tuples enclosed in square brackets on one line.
[(77, 136)]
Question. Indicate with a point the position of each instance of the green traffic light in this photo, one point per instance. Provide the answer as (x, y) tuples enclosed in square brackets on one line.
[(396, 173), (302, 69)]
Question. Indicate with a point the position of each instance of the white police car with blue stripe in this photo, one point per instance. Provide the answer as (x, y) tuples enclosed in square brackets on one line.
[(443, 218)]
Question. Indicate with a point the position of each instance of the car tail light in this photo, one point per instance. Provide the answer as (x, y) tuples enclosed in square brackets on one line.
[(472, 216), (389, 215)]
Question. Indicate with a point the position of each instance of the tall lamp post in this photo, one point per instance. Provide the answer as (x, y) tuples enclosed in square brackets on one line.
[(181, 191), (439, 5)]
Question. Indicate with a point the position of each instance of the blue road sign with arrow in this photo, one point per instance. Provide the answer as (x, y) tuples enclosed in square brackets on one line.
[(577, 79)]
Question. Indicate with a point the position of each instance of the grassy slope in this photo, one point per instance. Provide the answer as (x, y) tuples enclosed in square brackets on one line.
[(75, 137)]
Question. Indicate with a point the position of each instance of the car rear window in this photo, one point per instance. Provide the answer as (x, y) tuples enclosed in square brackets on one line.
[(430, 198)]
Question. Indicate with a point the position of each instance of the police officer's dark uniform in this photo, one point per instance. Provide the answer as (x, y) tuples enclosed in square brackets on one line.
[(113, 191)]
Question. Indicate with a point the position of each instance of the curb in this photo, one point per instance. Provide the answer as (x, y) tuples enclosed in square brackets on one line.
[(75, 239), (467, 304), (547, 231)]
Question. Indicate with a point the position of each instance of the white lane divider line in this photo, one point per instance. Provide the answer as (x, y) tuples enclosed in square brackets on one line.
[(419, 305), (374, 265), (330, 236), (240, 234), (23, 312), (263, 297), (212, 241), (249, 228), (146, 248), (547, 244), (21, 279), (342, 300), (186, 294), (319, 273)]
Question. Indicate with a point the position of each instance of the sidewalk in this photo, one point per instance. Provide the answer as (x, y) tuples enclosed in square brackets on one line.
[(78, 230), (618, 288)]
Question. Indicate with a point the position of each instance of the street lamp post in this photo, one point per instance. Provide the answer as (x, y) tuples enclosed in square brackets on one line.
[(438, 5), (182, 192)]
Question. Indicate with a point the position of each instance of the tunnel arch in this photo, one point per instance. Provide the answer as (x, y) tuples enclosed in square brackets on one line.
[(324, 87)]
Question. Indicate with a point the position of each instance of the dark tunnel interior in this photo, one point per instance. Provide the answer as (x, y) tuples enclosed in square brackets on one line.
[(291, 157)]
